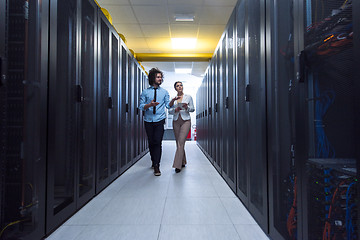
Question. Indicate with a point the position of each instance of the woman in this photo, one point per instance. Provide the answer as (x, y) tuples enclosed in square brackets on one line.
[(181, 109)]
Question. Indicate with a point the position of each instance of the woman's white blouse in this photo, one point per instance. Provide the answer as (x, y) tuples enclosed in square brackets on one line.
[(185, 114)]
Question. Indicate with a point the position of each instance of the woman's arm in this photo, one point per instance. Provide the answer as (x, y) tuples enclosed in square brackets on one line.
[(190, 107)]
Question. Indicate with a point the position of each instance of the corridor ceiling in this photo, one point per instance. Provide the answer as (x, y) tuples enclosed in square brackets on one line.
[(149, 25)]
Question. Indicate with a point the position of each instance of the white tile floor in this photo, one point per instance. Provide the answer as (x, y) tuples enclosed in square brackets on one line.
[(195, 204)]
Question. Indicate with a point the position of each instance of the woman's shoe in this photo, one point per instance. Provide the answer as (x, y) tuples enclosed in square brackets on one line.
[(177, 170), (183, 165)]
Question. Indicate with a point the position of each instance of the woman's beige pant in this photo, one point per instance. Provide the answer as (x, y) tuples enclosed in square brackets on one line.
[(181, 130)]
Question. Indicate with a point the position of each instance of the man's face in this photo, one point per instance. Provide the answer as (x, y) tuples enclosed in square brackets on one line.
[(158, 79)]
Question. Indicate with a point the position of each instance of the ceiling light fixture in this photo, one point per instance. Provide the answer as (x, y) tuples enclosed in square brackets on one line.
[(183, 70), (184, 17), (183, 43)]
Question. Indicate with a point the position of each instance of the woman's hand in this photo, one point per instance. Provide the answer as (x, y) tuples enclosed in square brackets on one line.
[(175, 98), (185, 105), (177, 109)]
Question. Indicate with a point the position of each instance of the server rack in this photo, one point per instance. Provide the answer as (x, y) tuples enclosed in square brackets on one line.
[(63, 117), (242, 169), (280, 78), (87, 97), (229, 153), (306, 108), (22, 158), (124, 107), (106, 149), (49, 104), (331, 122)]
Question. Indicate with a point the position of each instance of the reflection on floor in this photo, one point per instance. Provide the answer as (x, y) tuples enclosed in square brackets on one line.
[(194, 204)]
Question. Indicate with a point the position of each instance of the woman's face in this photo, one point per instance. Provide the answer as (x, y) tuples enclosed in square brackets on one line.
[(179, 87)]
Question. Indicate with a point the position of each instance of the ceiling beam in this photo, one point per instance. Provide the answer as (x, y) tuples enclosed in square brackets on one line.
[(173, 57)]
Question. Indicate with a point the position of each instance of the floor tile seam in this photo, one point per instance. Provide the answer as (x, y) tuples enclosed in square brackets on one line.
[(267, 237), (192, 197), (114, 224), (77, 235), (198, 224), (227, 212)]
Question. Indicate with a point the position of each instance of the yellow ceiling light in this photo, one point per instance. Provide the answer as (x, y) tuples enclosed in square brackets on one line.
[(183, 43)]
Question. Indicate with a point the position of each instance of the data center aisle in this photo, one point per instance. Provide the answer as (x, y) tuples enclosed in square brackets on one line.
[(194, 204)]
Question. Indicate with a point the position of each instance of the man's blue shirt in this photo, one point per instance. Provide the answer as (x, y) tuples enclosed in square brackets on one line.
[(162, 97)]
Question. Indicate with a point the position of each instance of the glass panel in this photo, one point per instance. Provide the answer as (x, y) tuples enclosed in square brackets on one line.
[(87, 140), (129, 113), (22, 175), (114, 110), (256, 108), (240, 117), (223, 111), (135, 99), (104, 104), (283, 166), (124, 101), (64, 157), (217, 108), (332, 111), (231, 102)]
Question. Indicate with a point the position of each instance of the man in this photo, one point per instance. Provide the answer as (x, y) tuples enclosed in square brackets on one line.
[(153, 101)]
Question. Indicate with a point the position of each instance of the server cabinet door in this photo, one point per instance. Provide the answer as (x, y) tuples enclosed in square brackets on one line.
[(329, 161), (131, 111), (114, 105), (106, 172), (241, 119), (224, 139), (213, 112), (124, 107), (136, 100), (23, 81), (256, 110), (87, 97), (229, 108), (63, 105), (280, 79), (218, 117)]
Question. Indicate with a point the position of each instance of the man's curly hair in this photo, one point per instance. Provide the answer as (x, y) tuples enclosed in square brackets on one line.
[(152, 74)]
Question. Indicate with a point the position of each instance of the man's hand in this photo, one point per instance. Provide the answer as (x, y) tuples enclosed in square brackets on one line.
[(153, 103)]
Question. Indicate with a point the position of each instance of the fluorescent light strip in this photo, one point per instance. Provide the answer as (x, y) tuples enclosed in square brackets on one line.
[(183, 70), (184, 18)]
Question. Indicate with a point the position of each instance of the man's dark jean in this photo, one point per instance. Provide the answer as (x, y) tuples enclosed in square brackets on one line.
[(155, 133)]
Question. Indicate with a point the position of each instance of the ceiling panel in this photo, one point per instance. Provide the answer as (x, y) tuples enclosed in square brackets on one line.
[(155, 30), (159, 43), (117, 2), (185, 2), (135, 43), (211, 31), (121, 14), (163, 66), (129, 30), (206, 45), (151, 14), (148, 25), (227, 3), (215, 15), (148, 2), (184, 9), (184, 30), (183, 64)]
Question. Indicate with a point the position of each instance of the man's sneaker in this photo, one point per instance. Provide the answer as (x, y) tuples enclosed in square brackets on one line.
[(157, 171)]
